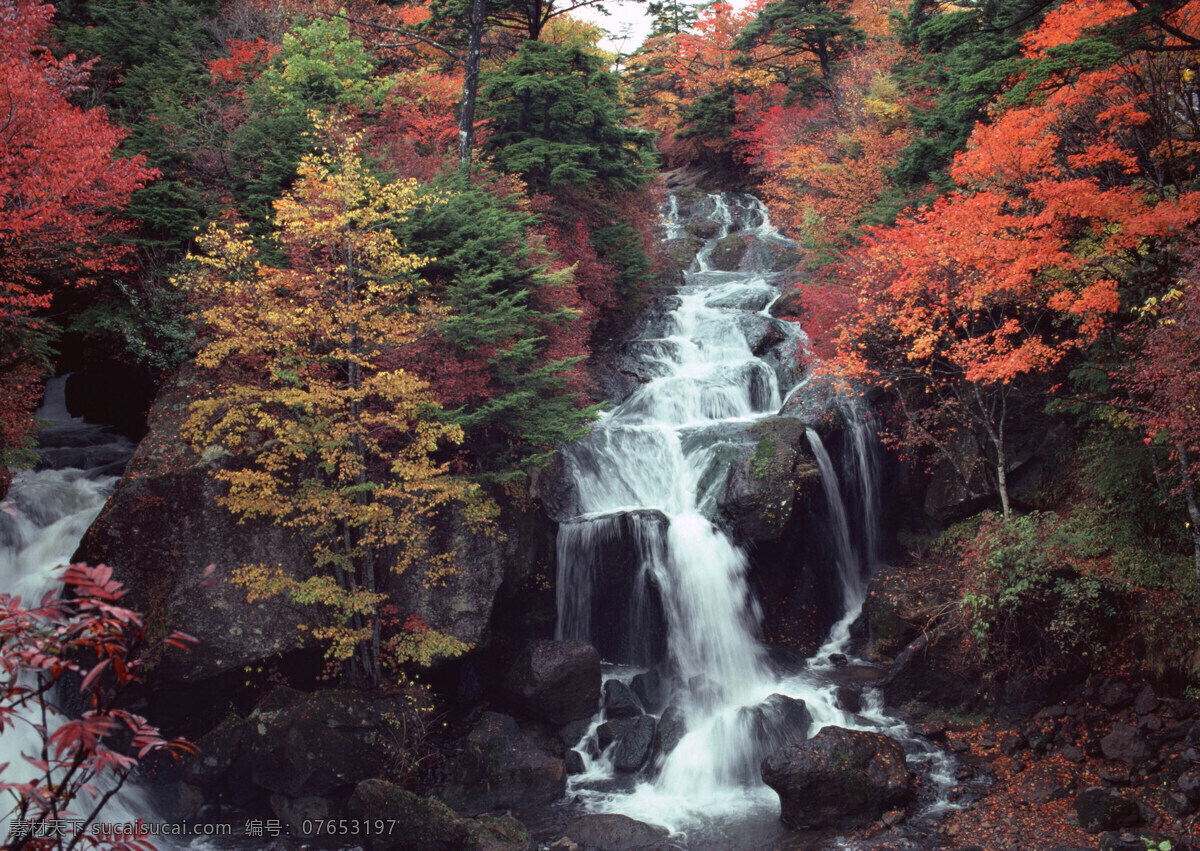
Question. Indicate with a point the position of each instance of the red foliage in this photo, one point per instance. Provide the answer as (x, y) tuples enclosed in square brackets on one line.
[(245, 59), (84, 634), (61, 185)]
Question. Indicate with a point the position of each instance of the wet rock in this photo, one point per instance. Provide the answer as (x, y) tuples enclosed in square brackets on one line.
[(571, 734), (671, 729), (425, 824), (573, 762), (1100, 809), (1189, 783), (619, 700), (760, 492), (502, 767), (727, 255), (612, 832), (778, 721), (848, 699), (651, 689), (611, 731), (1126, 744), (296, 813), (789, 305), (839, 779), (636, 744), (556, 681), (839, 660), (1116, 840), (218, 749)]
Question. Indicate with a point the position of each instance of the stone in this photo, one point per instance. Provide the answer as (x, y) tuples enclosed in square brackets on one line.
[(1100, 809), (218, 749), (838, 779), (303, 745), (424, 824), (1146, 701), (620, 701), (556, 681), (848, 699), (502, 767), (672, 727), (613, 832), (1115, 693), (573, 762), (611, 731), (1189, 783), (295, 813), (634, 747), (1126, 744), (651, 689)]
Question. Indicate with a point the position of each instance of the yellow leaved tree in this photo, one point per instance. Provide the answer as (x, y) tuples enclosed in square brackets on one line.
[(326, 433)]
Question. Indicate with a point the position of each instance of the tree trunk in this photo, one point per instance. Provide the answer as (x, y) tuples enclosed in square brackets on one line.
[(466, 117)]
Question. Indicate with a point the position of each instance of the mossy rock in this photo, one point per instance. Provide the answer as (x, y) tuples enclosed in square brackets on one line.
[(728, 253)]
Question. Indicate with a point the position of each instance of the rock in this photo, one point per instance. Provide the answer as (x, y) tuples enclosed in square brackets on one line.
[(502, 767), (611, 731), (635, 745), (848, 699), (838, 779), (1073, 754), (1101, 809), (759, 494), (573, 762), (895, 610), (423, 824), (1126, 744), (1011, 743), (218, 748), (313, 745), (839, 660), (672, 727), (619, 701), (1189, 783), (651, 688), (556, 681), (1043, 782), (1116, 840), (498, 833), (727, 255), (612, 832), (572, 734), (1115, 693), (296, 812), (777, 722), (162, 528), (1146, 701), (789, 305)]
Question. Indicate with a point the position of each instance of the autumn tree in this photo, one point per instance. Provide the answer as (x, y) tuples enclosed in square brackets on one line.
[(63, 187), (326, 434)]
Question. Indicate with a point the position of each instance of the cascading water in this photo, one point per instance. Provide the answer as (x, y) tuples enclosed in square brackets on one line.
[(44, 517), (647, 480)]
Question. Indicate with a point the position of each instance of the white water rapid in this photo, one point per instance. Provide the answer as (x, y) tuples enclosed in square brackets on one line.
[(648, 479), (42, 521)]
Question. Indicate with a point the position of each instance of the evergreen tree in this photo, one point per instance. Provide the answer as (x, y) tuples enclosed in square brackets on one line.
[(557, 119), (504, 307), (819, 29)]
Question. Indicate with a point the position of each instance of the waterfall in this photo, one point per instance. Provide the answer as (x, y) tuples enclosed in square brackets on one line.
[(44, 517), (648, 576)]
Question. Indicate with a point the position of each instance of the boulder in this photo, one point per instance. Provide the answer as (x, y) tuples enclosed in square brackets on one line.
[(789, 305), (1127, 744), (313, 745), (162, 528), (838, 779), (619, 701), (555, 681), (651, 688), (1100, 809), (613, 832), (672, 727), (728, 253), (422, 824), (760, 492), (635, 745), (501, 767)]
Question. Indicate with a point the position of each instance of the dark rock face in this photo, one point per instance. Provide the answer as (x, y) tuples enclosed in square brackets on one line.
[(502, 767), (619, 701), (611, 832), (424, 824), (555, 681), (1126, 744), (1101, 809), (839, 779), (760, 492), (636, 745), (162, 528), (671, 729)]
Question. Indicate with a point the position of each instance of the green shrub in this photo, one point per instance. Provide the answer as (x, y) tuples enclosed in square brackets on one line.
[(1040, 594)]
